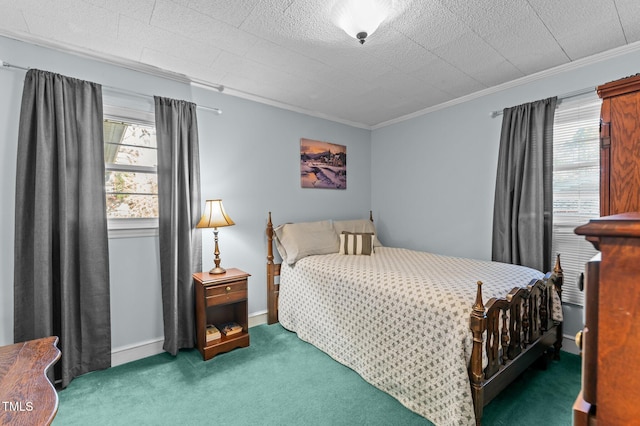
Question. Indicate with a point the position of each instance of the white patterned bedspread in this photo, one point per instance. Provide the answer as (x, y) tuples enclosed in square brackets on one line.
[(399, 318)]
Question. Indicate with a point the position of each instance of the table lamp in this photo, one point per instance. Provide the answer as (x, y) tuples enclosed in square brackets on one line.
[(215, 217)]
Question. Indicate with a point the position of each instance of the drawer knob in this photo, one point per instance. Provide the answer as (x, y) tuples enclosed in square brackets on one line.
[(579, 339), (228, 289)]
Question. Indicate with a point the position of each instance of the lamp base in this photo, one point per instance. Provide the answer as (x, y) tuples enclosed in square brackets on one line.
[(217, 270)]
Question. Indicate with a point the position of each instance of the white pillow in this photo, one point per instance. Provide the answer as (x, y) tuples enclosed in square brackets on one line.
[(357, 226), (297, 240)]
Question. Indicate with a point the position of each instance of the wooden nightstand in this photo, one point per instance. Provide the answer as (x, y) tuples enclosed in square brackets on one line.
[(220, 299)]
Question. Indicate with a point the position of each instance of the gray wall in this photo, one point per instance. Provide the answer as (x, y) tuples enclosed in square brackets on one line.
[(434, 176), (249, 158)]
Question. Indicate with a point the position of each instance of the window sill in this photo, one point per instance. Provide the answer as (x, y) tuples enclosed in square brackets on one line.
[(133, 233), (132, 228)]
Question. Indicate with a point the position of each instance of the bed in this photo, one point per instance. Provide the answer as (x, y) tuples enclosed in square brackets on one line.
[(413, 324)]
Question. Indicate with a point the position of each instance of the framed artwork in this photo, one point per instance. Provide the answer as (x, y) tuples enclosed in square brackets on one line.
[(322, 165)]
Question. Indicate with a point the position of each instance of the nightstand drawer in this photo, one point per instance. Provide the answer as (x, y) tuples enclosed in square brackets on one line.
[(226, 293)]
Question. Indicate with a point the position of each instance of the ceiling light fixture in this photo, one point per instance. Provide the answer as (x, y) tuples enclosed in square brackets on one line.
[(361, 18)]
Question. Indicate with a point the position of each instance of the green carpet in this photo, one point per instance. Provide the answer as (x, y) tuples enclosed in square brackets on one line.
[(281, 380)]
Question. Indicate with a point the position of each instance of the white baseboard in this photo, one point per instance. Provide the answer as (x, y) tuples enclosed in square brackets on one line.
[(141, 350), (131, 353), (257, 318), (134, 352), (569, 345), (568, 342)]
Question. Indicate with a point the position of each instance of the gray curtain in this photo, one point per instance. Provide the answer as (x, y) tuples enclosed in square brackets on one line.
[(179, 202), (523, 205), (61, 275)]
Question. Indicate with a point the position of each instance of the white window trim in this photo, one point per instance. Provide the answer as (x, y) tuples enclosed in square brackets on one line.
[(129, 115), (132, 227), (132, 168)]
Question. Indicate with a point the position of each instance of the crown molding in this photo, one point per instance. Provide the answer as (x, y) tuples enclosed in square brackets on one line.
[(579, 63), (271, 102), (96, 56), (182, 78)]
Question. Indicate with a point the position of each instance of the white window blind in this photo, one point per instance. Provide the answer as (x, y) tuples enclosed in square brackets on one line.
[(576, 177)]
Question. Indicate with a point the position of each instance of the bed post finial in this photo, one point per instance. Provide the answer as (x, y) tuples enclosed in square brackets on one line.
[(269, 240), (371, 215), (477, 324), (557, 269), (478, 306), (557, 277)]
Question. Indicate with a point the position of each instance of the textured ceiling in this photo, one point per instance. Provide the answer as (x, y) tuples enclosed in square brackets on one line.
[(290, 52)]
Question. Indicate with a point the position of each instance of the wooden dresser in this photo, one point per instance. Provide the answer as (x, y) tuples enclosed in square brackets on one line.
[(620, 146), (611, 339)]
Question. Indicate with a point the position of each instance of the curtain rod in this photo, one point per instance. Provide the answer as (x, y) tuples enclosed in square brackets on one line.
[(116, 89), (561, 98)]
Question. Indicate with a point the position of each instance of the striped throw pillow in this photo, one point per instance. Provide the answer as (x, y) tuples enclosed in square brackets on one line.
[(356, 243)]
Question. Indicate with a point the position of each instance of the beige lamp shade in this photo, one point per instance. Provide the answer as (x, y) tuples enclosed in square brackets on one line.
[(214, 216)]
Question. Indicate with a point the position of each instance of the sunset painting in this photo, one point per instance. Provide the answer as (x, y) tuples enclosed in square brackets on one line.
[(323, 165)]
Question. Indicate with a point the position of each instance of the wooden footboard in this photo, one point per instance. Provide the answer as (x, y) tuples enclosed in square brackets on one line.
[(513, 331)]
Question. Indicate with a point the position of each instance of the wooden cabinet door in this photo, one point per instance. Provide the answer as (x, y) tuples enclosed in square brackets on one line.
[(624, 153), (620, 146)]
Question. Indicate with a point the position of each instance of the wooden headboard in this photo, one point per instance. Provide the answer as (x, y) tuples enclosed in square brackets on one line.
[(273, 271)]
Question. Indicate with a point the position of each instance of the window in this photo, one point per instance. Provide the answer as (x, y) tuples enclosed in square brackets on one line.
[(576, 180), (131, 176)]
